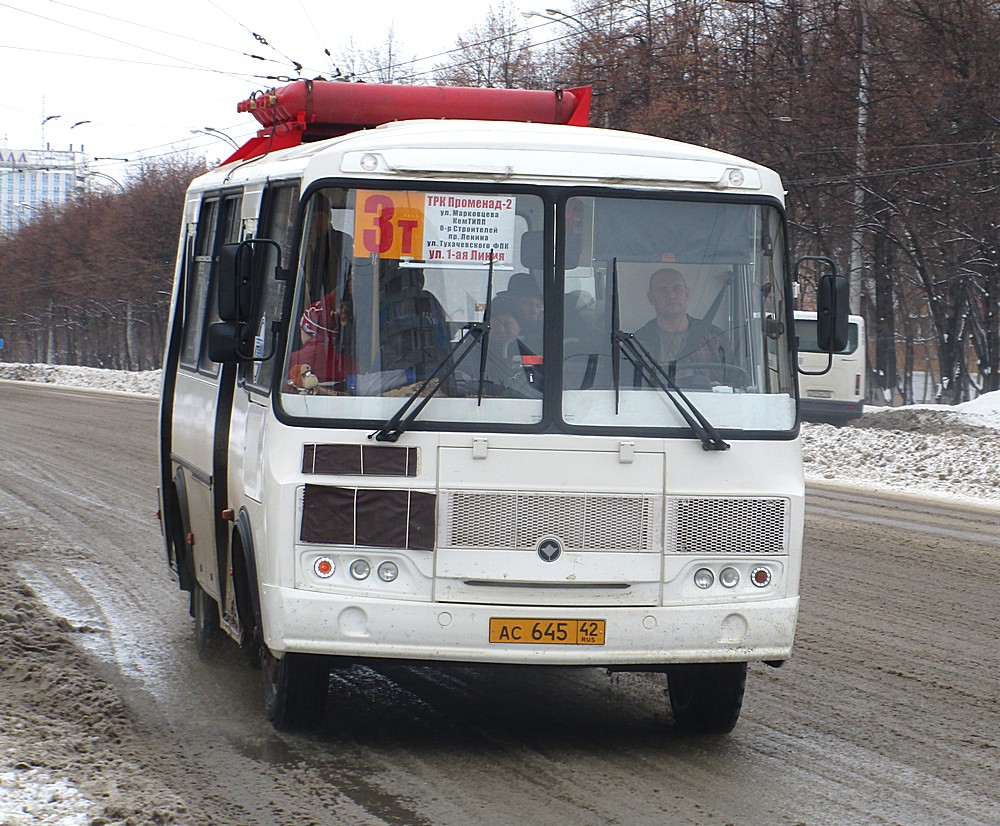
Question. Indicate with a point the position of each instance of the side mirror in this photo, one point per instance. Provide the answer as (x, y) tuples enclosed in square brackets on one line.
[(230, 339), (235, 280), (832, 310), (227, 341)]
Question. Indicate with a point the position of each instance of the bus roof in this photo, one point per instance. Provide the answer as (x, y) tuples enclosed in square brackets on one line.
[(526, 153)]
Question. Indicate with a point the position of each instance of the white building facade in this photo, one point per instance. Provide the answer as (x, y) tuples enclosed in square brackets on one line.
[(33, 179)]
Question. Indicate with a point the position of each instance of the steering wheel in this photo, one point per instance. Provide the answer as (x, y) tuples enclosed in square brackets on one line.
[(706, 374)]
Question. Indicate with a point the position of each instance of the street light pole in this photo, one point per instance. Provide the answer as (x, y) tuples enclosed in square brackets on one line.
[(558, 16), (216, 133)]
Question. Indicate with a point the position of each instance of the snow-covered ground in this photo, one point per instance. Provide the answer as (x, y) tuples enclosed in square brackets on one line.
[(928, 450)]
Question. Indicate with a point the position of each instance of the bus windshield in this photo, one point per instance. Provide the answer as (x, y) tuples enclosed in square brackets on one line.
[(394, 287), (697, 288)]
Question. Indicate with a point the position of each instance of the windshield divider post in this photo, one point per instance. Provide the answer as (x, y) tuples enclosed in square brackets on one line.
[(615, 330), (485, 338)]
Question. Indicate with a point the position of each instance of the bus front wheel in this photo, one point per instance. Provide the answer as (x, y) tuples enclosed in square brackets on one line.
[(295, 688), (706, 698)]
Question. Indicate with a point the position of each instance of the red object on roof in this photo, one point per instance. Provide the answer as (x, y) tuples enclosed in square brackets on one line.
[(309, 110)]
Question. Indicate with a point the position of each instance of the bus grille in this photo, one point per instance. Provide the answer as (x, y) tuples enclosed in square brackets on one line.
[(727, 525), (517, 520)]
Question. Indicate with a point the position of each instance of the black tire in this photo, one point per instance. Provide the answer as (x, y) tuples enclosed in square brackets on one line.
[(706, 698), (295, 689), (206, 621)]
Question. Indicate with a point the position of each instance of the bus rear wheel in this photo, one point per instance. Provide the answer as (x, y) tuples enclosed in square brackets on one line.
[(295, 688), (706, 698)]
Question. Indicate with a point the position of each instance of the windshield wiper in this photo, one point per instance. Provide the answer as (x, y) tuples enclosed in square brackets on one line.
[(635, 351), (473, 332), (395, 425)]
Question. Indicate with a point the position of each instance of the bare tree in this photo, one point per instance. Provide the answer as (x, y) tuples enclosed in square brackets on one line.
[(496, 54)]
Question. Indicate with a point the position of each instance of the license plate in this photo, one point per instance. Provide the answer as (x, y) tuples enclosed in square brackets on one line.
[(547, 631)]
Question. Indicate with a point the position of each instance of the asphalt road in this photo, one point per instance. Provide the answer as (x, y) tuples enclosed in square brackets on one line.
[(888, 713)]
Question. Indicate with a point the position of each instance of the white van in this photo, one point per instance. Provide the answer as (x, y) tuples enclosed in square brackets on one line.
[(837, 396)]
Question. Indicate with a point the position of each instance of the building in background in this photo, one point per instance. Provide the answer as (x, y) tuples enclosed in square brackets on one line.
[(33, 179)]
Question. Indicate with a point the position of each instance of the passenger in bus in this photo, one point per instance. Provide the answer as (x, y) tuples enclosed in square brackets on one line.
[(414, 332), (503, 359), (525, 294), (674, 337), (322, 363)]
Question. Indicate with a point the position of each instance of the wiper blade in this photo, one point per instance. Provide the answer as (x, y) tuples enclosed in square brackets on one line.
[(395, 425), (635, 351)]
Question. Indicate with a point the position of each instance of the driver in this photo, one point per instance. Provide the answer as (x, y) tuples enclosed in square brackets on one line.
[(674, 337)]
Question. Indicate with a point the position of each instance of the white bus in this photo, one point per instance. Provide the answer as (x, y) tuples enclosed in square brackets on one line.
[(469, 391), (835, 395)]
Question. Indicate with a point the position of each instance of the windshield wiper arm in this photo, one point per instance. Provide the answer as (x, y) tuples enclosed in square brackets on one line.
[(635, 351), (395, 425)]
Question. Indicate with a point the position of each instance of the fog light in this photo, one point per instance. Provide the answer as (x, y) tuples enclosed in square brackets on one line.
[(761, 576), (388, 571), (729, 577), (704, 578), (324, 567), (360, 569)]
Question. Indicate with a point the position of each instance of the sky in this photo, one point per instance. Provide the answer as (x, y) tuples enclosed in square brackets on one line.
[(131, 80)]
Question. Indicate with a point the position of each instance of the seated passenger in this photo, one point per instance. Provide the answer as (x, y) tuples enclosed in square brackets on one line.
[(674, 337), (525, 294), (503, 360), (321, 364), (414, 334)]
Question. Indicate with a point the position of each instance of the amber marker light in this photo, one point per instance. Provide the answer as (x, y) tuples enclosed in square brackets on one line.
[(324, 567)]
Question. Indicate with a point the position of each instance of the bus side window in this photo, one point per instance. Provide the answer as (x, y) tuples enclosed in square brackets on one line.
[(277, 224), (199, 274), (228, 233)]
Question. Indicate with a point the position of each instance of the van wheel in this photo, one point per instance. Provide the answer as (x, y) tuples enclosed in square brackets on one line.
[(706, 698), (206, 621), (295, 688)]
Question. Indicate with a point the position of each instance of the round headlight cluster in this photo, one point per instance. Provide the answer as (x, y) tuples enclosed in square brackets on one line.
[(729, 577), (360, 569)]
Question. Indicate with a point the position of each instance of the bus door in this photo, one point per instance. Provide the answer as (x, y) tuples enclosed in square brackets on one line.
[(203, 393), (251, 399)]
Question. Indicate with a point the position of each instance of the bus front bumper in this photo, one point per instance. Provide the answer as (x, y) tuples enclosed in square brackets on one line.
[(317, 623)]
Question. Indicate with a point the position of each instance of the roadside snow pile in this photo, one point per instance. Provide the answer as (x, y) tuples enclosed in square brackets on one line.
[(146, 382), (29, 797), (927, 452), (931, 450)]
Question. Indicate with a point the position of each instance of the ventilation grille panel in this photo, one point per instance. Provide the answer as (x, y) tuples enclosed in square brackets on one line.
[(517, 520), (727, 525)]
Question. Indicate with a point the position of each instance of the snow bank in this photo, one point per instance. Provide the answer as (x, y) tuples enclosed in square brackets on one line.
[(29, 797), (146, 382)]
